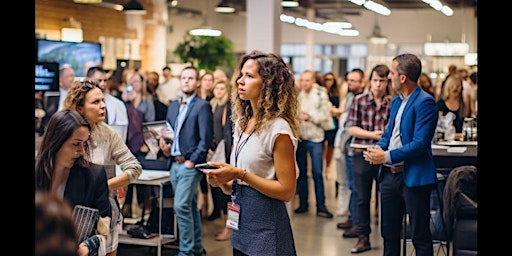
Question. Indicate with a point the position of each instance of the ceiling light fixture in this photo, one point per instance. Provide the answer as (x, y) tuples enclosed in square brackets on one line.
[(376, 37), (373, 6), (133, 7), (317, 26), (338, 21), (205, 30), (290, 3), (225, 6), (439, 6)]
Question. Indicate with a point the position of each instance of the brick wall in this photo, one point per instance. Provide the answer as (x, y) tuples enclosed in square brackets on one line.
[(96, 21)]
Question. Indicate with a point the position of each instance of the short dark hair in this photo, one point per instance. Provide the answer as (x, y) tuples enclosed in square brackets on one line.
[(166, 68), (358, 70), (192, 68), (409, 65), (381, 70), (91, 71)]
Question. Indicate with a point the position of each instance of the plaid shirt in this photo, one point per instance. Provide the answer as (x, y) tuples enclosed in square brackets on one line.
[(365, 114)]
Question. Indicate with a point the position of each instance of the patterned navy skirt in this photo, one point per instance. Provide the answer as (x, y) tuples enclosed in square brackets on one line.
[(264, 225)]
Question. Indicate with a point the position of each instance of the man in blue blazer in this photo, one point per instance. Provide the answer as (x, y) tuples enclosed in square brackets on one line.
[(408, 173), (191, 119)]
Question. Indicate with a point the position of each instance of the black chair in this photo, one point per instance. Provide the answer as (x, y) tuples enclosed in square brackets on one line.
[(460, 197)]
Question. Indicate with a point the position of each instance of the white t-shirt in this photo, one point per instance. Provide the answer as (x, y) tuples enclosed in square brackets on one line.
[(256, 154)]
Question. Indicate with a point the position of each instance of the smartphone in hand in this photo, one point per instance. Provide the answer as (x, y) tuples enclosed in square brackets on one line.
[(206, 166)]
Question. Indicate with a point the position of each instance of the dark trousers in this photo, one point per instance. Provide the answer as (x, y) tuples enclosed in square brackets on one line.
[(364, 175), (396, 198)]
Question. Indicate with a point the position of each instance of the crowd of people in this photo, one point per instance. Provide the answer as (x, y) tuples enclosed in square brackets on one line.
[(256, 130)]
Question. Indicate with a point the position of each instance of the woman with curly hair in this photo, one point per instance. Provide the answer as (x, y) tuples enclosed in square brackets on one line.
[(263, 172)]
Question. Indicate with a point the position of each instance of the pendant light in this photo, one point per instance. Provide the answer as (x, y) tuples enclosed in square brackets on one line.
[(133, 7), (376, 37), (225, 6), (338, 21), (290, 3), (204, 29)]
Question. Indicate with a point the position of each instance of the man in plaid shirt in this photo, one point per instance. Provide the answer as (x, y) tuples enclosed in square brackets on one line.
[(366, 122)]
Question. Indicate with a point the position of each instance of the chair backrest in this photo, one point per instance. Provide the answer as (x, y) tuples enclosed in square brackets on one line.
[(461, 183)]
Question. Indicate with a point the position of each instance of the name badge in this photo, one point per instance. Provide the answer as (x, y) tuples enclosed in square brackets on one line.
[(233, 215)]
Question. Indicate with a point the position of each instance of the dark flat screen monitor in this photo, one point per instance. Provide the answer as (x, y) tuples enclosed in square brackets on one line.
[(80, 56), (47, 76)]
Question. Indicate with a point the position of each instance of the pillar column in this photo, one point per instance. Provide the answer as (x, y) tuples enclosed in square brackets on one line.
[(263, 29), (134, 23), (310, 41), (159, 41)]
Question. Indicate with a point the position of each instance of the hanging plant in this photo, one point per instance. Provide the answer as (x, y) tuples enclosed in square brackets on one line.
[(206, 52)]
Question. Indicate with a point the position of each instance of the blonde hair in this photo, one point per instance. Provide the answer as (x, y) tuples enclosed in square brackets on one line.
[(452, 81), (214, 102)]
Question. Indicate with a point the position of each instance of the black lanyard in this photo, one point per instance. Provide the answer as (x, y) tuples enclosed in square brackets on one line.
[(241, 145)]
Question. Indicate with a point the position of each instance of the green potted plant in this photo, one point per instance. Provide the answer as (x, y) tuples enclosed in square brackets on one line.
[(206, 52)]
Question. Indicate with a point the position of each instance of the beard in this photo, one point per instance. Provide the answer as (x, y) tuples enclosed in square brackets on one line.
[(189, 93)]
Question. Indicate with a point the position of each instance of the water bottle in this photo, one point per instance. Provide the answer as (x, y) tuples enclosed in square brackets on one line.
[(466, 129)]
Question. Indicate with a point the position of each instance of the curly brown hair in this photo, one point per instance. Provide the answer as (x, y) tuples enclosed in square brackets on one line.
[(278, 96), (76, 94)]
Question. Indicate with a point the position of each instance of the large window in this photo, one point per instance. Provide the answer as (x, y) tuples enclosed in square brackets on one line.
[(338, 58)]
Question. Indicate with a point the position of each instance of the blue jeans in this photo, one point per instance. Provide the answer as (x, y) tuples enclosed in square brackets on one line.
[(185, 182), (352, 204), (316, 152)]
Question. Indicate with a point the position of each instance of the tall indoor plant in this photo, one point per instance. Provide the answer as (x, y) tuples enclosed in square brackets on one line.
[(206, 52)]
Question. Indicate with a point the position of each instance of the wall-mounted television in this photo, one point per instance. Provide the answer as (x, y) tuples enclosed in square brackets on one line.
[(47, 76), (80, 56)]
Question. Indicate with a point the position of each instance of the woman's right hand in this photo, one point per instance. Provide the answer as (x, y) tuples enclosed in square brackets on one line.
[(224, 174), (165, 147)]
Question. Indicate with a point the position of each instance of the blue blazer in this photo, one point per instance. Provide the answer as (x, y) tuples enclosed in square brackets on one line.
[(195, 136), (417, 128)]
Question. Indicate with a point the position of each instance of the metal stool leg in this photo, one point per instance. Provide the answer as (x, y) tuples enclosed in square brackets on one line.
[(443, 223), (404, 231)]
